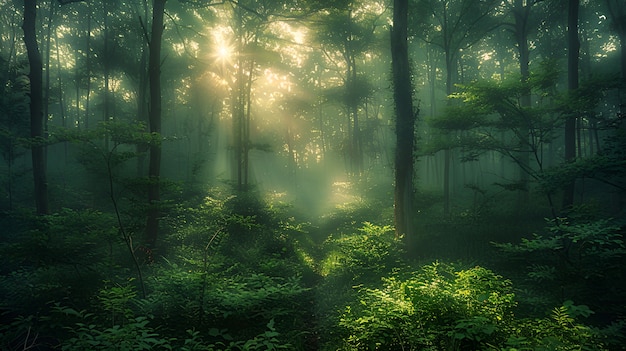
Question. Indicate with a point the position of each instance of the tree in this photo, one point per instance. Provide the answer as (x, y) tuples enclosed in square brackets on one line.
[(405, 121), (346, 33), (36, 106), (493, 117), (452, 25), (572, 85), (14, 108), (617, 13), (154, 167), (520, 28), (250, 20)]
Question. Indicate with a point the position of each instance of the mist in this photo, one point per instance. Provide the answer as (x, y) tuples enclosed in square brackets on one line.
[(312, 175)]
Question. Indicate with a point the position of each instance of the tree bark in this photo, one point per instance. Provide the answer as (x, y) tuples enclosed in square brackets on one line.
[(36, 106), (521, 13), (617, 11), (154, 167), (447, 157), (142, 95), (106, 110), (405, 122), (572, 84)]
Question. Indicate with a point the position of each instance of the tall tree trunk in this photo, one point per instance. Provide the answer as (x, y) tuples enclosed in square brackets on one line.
[(238, 112), (46, 97), (88, 64), (522, 14), (405, 122), (246, 125), (154, 168), (617, 11), (622, 45), (447, 157), (59, 78), (572, 84), (320, 114), (142, 93), (106, 112), (36, 106)]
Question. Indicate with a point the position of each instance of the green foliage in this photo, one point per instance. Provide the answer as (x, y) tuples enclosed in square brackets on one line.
[(185, 292), (115, 301), (134, 335), (490, 108), (559, 331), (119, 131), (442, 308), (266, 341), (255, 296), (433, 309), (606, 167), (62, 255), (576, 257), (138, 332), (14, 130), (371, 252)]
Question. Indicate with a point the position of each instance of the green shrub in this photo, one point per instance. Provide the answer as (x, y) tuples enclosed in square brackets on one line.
[(560, 331), (64, 255), (370, 253), (443, 308), (434, 309), (574, 260)]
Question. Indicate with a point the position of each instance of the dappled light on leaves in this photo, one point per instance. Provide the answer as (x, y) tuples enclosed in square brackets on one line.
[(311, 175)]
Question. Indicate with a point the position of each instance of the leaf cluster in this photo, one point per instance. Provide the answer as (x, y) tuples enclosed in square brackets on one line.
[(442, 308), (367, 254), (431, 309)]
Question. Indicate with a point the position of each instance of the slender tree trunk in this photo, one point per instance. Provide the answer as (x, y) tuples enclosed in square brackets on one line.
[(405, 122), (88, 64), (447, 157), (9, 72), (320, 114), (154, 168), (36, 106), (59, 78), (142, 102), (572, 84), (246, 126), (622, 45), (357, 152), (617, 11), (432, 81), (522, 14), (238, 101), (46, 98), (77, 79), (106, 110)]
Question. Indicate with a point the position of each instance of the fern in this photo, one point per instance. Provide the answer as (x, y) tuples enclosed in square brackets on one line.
[(561, 317), (539, 272)]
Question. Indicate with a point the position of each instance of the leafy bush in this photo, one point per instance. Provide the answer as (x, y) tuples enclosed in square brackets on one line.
[(575, 260), (137, 334), (371, 252), (559, 331), (443, 308), (124, 329), (435, 308), (59, 256)]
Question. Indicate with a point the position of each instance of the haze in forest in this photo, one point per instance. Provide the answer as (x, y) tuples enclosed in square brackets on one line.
[(389, 174)]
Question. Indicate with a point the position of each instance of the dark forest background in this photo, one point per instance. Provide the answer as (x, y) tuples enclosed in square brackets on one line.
[(312, 175)]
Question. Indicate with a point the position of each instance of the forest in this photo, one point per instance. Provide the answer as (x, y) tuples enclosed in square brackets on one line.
[(193, 175)]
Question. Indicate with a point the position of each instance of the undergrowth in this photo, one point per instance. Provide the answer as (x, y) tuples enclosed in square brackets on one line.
[(252, 276)]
